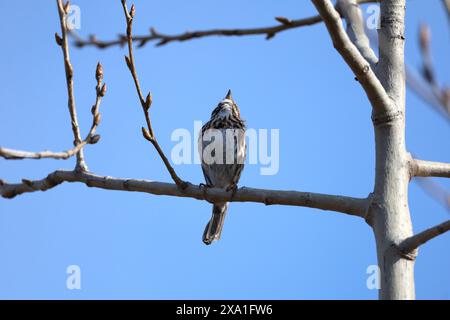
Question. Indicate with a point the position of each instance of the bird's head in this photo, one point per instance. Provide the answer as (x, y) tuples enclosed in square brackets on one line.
[(226, 108)]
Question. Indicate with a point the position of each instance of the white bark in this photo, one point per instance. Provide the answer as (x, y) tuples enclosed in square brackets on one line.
[(422, 168), (388, 213), (351, 12)]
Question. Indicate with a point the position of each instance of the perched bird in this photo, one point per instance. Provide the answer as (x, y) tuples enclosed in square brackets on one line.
[(222, 151)]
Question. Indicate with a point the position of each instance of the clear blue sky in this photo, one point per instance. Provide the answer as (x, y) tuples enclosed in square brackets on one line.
[(131, 245)]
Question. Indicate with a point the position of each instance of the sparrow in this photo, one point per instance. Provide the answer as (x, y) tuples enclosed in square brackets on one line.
[(222, 153)]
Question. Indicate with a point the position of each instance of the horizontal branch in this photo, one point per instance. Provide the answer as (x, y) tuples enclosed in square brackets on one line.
[(422, 168), (412, 243), (11, 154), (163, 39), (348, 205)]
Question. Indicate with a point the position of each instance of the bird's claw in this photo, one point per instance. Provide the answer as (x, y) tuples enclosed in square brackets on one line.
[(204, 187), (233, 188)]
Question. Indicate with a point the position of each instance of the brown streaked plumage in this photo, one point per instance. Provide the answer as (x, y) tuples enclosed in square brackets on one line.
[(224, 137)]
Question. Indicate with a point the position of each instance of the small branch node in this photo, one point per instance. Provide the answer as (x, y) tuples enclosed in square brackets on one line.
[(386, 118)]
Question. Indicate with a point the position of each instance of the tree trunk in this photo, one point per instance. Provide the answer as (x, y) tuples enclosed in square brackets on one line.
[(389, 213)]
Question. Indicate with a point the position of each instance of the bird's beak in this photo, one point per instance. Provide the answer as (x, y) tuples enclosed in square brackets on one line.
[(229, 95)]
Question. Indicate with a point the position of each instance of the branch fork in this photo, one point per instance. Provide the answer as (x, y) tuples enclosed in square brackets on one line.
[(91, 137)]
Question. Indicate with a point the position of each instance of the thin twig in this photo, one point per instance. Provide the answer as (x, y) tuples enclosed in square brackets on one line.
[(147, 102), (163, 39), (426, 93), (12, 154), (63, 42), (447, 8), (91, 138), (441, 94)]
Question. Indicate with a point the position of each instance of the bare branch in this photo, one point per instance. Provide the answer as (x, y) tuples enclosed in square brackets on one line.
[(377, 95), (351, 12), (437, 99), (91, 137), (447, 8), (436, 96), (412, 243), (147, 102), (440, 94), (11, 154), (348, 205), (425, 50), (421, 168), (63, 43), (163, 39)]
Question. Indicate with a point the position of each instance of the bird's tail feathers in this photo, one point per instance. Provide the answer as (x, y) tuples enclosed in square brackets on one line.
[(213, 229)]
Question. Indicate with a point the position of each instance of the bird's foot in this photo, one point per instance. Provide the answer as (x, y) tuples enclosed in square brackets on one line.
[(204, 187), (233, 188)]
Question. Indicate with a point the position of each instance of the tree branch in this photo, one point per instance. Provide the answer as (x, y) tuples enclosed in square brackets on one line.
[(391, 42), (422, 168), (91, 137), (11, 154), (348, 205), (447, 8), (441, 94), (374, 90), (147, 102), (412, 243), (63, 43), (351, 12), (437, 99), (163, 39)]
